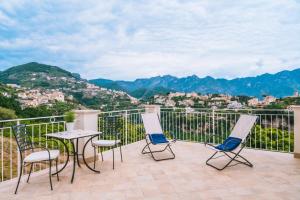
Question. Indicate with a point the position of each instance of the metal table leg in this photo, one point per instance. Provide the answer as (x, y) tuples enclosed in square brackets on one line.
[(97, 171), (74, 160), (77, 154), (68, 156)]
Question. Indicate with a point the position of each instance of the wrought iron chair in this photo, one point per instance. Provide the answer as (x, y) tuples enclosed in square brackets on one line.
[(25, 144), (110, 138)]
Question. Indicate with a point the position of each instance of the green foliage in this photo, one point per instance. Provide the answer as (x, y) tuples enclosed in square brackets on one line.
[(283, 103), (69, 117), (110, 101), (10, 103), (59, 108), (19, 74), (242, 99), (35, 75), (276, 106), (7, 114), (271, 139), (179, 98), (40, 111), (146, 93)]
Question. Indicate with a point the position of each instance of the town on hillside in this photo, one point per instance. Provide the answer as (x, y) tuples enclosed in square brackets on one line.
[(195, 100), (34, 97)]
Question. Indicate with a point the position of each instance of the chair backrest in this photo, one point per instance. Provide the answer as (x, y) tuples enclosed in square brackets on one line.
[(22, 138), (243, 126), (151, 123), (110, 125)]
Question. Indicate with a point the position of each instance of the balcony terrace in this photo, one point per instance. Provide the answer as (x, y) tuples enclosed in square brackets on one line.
[(275, 175)]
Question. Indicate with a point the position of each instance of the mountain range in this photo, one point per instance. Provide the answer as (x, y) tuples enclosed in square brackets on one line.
[(281, 84), (33, 74)]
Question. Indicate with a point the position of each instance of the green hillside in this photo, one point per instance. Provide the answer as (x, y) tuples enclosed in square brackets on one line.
[(45, 78), (37, 75)]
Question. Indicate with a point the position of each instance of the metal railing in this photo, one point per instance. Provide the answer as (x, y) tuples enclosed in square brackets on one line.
[(126, 122), (274, 130), (37, 128)]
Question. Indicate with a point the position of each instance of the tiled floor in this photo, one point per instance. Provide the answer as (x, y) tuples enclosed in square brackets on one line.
[(274, 176)]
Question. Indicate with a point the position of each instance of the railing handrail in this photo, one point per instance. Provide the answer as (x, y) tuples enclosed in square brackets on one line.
[(227, 109), (33, 118), (116, 111), (162, 109)]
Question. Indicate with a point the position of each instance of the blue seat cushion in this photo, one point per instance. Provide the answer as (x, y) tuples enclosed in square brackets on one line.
[(229, 144), (158, 138)]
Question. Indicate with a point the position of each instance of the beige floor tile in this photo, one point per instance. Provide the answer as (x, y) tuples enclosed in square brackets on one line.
[(274, 176)]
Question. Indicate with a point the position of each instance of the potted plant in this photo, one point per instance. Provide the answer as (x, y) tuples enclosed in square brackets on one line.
[(69, 119)]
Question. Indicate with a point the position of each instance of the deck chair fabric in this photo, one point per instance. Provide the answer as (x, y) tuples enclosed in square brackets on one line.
[(154, 136), (234, 144)]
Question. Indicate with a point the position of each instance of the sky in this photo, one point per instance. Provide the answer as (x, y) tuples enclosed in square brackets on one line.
[(125, 40)]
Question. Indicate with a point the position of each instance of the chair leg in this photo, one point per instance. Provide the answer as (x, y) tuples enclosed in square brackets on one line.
[(113, 158), (212, 157), (153, 152), (31, 165), (95, 157), (77, 155), (20, 175), (101, 154), (50, 163), (234, 158), (56, 163), (143, 150), (121, 153), (247, 162)]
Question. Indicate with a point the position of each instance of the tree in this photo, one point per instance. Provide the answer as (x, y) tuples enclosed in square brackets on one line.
[(10, 103), (59, 108), (6, 113)]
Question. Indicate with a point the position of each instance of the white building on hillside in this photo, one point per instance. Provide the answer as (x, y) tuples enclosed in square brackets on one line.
[(253, 102), (234, 105), (268, 100)]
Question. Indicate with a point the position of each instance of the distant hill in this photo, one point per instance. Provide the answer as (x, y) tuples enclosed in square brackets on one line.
[(107, 84), (281, 84), (38, 75), (46, 77)]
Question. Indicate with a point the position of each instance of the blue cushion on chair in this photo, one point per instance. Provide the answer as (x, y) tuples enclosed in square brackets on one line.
[(229, 144), (158, 138)]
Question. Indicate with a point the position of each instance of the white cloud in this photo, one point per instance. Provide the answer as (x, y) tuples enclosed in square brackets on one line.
[(132, 39)]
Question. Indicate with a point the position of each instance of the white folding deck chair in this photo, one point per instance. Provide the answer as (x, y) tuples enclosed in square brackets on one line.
[(235, 142), (154, 136)]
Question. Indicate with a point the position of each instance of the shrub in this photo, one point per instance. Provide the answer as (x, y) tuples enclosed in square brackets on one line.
[(69, 116), (6, 113)]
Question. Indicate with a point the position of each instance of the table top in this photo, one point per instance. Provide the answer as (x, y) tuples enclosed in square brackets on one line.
[(75, 134)]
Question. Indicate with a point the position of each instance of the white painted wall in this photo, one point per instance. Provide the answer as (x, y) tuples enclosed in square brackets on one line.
[(296, 110), (86, 120)]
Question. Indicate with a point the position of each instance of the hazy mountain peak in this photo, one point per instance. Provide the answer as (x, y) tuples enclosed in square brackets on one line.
[(283, 83)]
